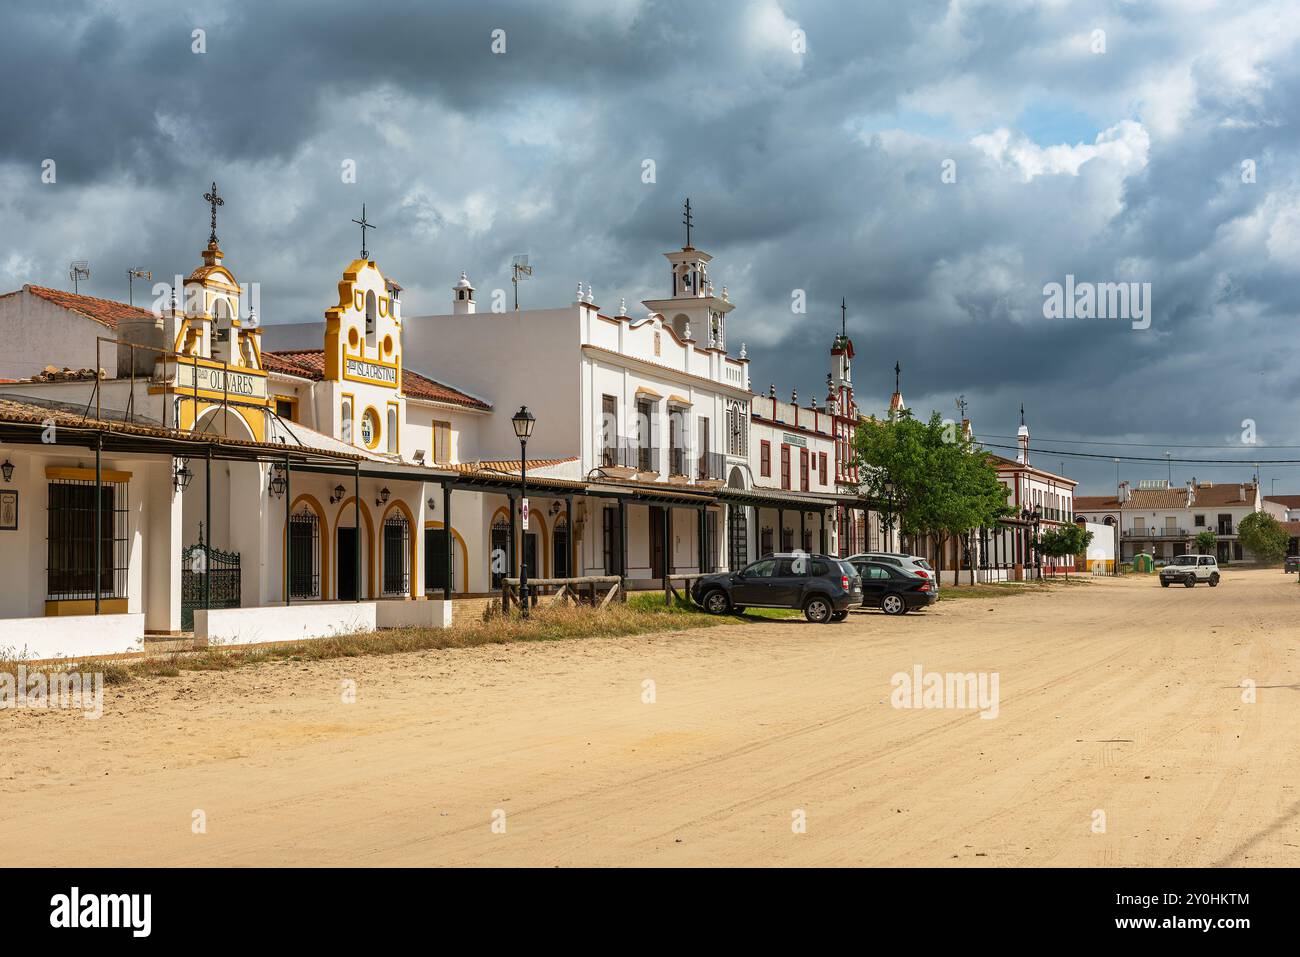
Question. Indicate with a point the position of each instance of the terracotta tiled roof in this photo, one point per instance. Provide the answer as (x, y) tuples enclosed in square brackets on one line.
[(508, 465), (104, 311), (307, 363), (1157, 498), (1233, 493), (63, 416), (1095, 503), (310, 364), (416, 386), (1287, 501)]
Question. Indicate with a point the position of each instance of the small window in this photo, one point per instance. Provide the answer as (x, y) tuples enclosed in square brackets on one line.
[(765, 459), (441, 443), (1199, 521), (284, 408), (371, 318)]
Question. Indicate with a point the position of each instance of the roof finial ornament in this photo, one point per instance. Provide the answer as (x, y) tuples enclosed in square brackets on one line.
[(1022, 413), (844, 318), (589, 298), (744, 351), (579, 295), (364, 226), (215, 200), (898, 371), (688, 220), (622, 305)]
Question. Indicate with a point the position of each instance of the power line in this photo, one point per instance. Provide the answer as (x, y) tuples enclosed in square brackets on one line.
[(1142, 445), (1138, 458)]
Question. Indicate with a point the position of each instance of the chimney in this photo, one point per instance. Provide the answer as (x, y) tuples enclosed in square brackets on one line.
[(462, 303), (1022, 438), (1191, 493), (1123, 492)]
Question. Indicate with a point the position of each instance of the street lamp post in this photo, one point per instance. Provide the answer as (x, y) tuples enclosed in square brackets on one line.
[(523, 421), (889, 515), (1033, 516)]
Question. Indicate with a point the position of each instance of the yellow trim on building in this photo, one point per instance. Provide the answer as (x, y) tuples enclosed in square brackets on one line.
[(69, 474)]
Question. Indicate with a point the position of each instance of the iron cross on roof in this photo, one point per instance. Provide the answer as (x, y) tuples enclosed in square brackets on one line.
[(844, 318), (215, 200), (364, 226), (688, 221)]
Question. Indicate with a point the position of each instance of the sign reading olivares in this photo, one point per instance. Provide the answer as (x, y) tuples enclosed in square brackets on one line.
[(377, 372), (233, 382)]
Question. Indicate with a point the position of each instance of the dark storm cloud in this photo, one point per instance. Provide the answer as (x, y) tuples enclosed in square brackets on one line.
[(818, 172)]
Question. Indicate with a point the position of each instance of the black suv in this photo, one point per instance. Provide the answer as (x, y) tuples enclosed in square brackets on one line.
[(824, 587), (892, 589)]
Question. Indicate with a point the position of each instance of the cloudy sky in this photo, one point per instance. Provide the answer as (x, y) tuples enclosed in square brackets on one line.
[(936, 163)]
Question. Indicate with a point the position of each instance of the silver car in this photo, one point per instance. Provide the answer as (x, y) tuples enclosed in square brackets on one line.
[(909, 563)]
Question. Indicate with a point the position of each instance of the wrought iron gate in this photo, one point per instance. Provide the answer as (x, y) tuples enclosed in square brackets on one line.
[(199, 564)]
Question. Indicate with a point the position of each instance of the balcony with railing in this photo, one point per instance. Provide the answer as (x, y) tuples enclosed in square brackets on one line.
[(677, 461), (711, 466), (1156, 533), (630, 454)]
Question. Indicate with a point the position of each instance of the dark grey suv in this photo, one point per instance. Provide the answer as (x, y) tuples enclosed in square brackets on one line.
[(824, 587)]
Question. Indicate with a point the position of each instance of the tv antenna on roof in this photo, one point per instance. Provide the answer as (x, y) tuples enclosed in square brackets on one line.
[(519, 269), (139, 272), (77, 271)]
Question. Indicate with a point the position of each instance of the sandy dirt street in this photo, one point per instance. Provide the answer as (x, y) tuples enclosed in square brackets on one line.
[(1115, 697)]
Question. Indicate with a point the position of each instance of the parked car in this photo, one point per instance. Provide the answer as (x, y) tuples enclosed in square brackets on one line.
[(1190, 569), (824, 587), (1292, 564), (908, 563), (892, 589)]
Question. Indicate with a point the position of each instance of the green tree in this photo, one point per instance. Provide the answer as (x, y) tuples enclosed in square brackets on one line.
[(1206, 541), (928, 478), (1263, 535), (1065, 541)]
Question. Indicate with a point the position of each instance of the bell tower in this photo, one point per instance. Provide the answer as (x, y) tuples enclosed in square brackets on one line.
[(694, 312)]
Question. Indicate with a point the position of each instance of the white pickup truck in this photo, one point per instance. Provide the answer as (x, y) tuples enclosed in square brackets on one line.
[(1190, 569)]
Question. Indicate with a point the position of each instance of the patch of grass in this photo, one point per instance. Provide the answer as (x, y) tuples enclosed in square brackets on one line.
[(638, 616), (774, 613), (1005, 589)]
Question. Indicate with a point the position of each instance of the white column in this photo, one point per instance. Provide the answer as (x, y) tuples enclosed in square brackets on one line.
[(163, 539)]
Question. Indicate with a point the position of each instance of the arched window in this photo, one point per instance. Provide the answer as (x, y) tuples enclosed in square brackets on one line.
[(372, 312), (345, 426), (221, 319), (392, 431)]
